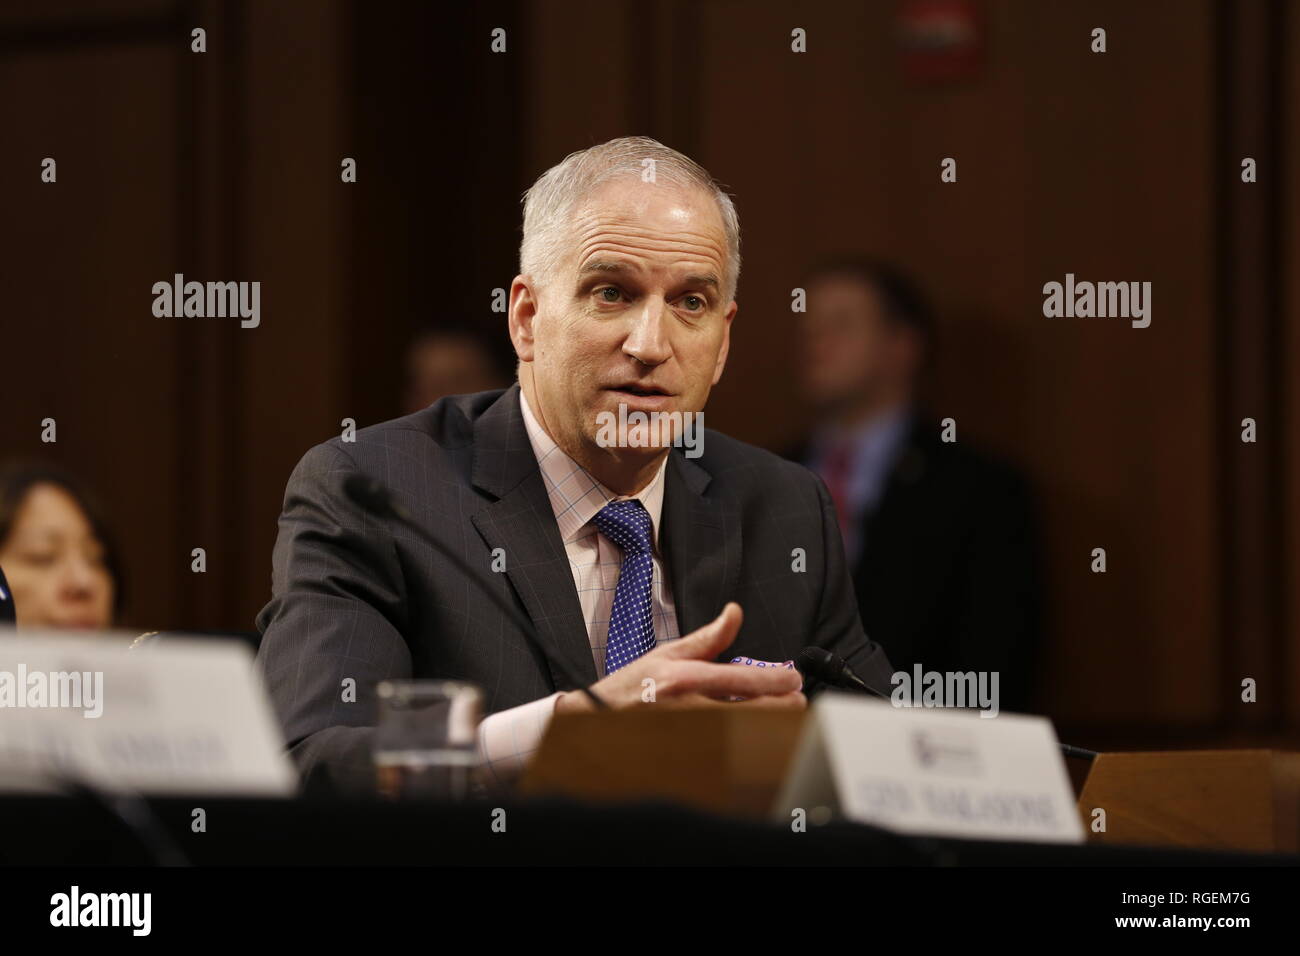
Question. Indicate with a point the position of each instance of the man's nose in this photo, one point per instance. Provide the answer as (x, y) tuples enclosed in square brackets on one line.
[(647, 342)]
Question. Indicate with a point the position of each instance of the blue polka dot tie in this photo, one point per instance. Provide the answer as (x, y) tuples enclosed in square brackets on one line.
[(631, 627)]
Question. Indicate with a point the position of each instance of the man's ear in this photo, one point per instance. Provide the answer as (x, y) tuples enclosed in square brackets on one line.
[(726, 341), (523, 313)]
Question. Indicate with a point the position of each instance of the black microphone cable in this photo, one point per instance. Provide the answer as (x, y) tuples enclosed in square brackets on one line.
[(129, 809)]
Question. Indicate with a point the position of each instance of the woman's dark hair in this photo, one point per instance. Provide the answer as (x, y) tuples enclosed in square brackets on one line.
[(17, 479)]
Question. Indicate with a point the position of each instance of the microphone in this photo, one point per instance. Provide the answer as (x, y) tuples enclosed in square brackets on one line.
[(832, 669), (829, 667), (371, 496), (1072, 751)]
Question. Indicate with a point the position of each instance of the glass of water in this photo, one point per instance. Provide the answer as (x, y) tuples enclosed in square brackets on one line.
[(425, 742)]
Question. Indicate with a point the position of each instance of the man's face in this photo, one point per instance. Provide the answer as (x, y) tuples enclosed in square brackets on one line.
[(851, 351), (634, 314), (441, 365)]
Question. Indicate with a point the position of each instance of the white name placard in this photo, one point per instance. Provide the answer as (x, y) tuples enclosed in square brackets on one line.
[(179, 716), (931, 771)]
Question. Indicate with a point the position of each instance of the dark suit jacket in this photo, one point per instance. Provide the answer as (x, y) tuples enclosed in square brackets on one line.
[(948, 573), (364, 597)]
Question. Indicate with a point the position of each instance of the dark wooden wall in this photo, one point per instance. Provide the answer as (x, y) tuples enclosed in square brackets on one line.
[(1122, 166)]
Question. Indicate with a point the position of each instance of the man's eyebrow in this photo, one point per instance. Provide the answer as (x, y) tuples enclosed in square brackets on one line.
[(603, 266), (708, 279), (606, 267)]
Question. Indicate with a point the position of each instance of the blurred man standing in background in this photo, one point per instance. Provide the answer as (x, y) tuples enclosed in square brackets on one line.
[(940, 538)]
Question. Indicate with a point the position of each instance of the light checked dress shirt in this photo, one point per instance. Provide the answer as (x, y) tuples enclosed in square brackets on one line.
[(508, 738)]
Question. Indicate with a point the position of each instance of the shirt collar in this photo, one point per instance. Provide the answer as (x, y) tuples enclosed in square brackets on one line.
[(576, 496), (873, 440)]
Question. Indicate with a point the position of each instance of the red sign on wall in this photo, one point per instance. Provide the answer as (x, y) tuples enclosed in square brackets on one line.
[(940, 40)]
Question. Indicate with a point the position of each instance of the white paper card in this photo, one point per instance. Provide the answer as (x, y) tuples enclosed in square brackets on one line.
[(932, 771), (180, 716)]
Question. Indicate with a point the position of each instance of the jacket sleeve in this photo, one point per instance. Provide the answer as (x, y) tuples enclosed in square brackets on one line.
[(333, 628), (839, 627)]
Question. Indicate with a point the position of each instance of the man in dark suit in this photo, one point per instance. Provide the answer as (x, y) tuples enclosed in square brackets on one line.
[(612, 545), (940, 537)]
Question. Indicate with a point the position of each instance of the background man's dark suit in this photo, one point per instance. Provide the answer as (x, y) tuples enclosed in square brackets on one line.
[(948, 572), (355, 596)]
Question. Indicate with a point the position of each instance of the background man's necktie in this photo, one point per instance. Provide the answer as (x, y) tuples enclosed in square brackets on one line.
[(836, 467), (631, 627)]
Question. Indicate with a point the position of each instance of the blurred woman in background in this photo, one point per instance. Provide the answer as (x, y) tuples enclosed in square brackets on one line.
[(55, 551)]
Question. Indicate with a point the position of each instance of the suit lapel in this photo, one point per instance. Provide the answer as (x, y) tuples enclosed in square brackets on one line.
[(701, 544), (521, 523)]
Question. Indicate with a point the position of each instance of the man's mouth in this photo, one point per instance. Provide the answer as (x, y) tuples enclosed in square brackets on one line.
[(641, 391)]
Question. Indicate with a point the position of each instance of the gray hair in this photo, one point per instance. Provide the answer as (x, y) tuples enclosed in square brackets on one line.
[(551, 201)]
